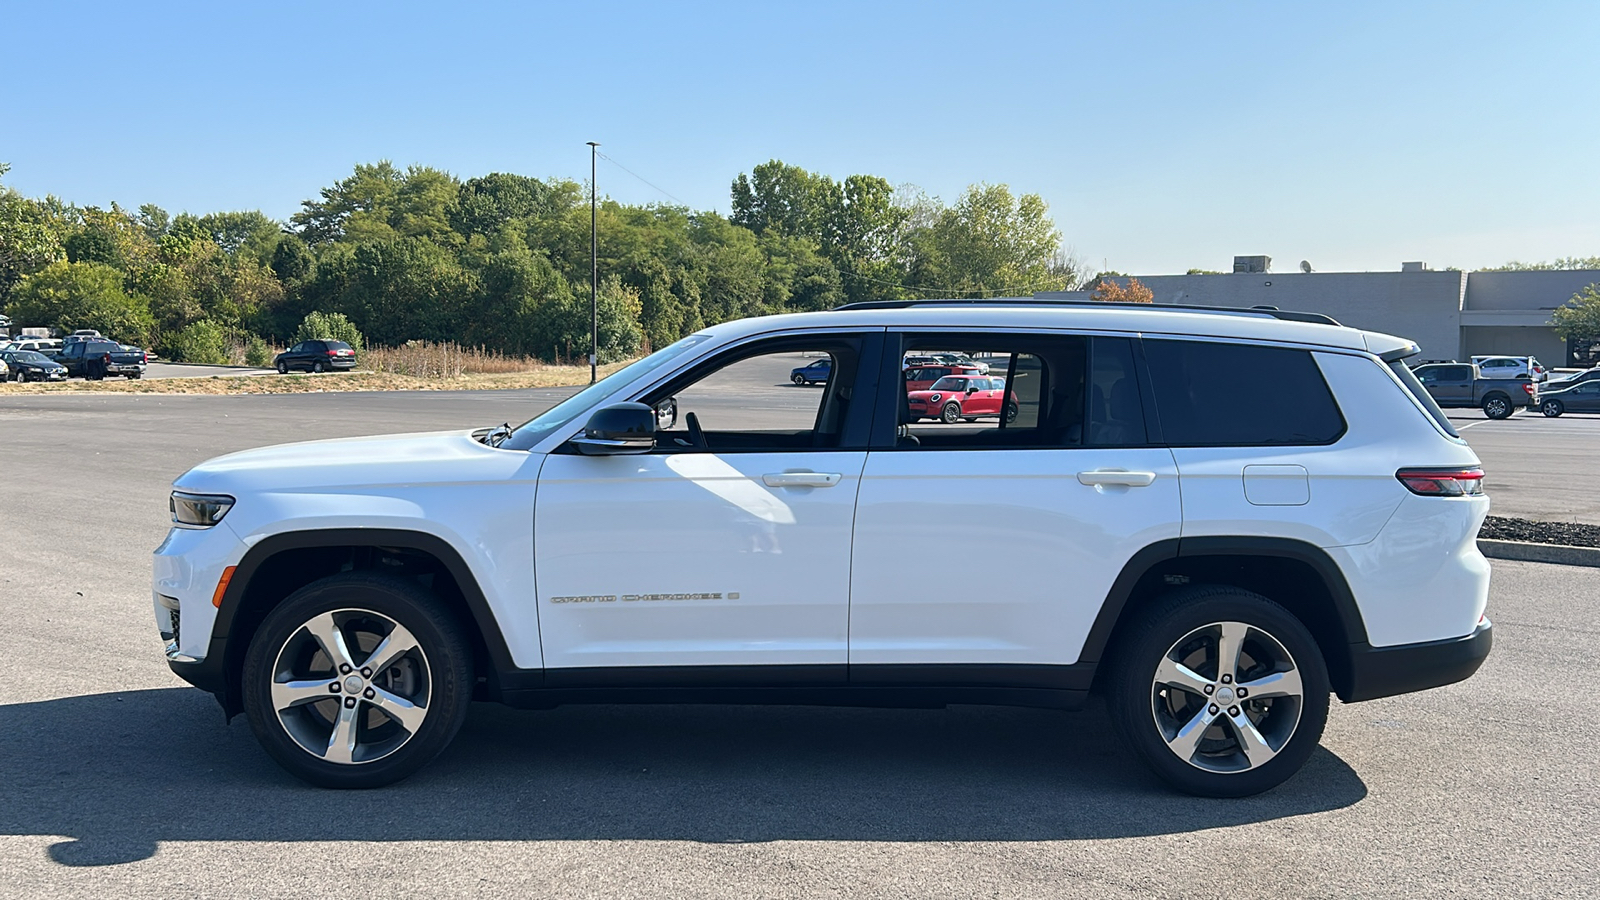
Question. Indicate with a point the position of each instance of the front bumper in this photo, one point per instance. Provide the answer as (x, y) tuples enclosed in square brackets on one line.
[(1386, 671)]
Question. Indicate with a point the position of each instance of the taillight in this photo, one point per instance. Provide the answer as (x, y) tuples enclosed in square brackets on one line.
[(1529, 388), (1447, 482), (333, 353)]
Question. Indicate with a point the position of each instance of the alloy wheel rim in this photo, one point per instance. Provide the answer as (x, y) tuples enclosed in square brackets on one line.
[(351, 686), (1227, 697), (1496, 407)]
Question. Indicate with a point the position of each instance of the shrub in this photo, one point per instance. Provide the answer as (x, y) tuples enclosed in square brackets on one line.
[(429, 360), (319, 326), (257, 353), (203, 342)]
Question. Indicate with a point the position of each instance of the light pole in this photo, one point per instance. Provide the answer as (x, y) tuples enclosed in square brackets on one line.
[(594, 273)]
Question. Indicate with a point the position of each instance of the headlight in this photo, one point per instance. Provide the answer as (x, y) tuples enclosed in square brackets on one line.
[(199, 510), (934, 398)]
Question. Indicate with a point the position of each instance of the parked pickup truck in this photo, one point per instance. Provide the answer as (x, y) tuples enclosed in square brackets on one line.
[(95, 360), (1459, 385)]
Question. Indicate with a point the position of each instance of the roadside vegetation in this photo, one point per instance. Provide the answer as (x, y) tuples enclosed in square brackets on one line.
[(501, 262)]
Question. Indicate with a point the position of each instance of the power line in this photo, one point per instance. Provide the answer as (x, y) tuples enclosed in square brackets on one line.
[(641, 178)]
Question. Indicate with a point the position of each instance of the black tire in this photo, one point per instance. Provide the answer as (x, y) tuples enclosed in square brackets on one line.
[(316, 366), (135, 376), (283, 367), (360, 599), (1498, 406), (798, 379), (1011, 413), (950, 413), (1552, 408), (1141, 711)]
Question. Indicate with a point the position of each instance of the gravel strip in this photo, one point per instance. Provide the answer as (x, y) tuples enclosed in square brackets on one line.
[(1570, 534)]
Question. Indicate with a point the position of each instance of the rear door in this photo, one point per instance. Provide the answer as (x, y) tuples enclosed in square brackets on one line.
[(983, 551)]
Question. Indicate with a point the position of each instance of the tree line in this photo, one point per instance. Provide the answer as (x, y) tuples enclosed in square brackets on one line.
[(502, 261)]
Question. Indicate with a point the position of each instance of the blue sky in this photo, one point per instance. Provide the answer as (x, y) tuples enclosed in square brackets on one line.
[(1163, 136)]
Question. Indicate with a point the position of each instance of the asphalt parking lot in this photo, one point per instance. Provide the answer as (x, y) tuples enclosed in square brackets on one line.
[(114, 779)]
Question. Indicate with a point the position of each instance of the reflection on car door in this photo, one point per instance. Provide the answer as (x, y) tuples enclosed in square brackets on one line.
[(996, 543), (727, 545)]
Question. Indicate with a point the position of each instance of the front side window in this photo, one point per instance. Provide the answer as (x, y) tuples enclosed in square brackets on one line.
[(1216, 394)]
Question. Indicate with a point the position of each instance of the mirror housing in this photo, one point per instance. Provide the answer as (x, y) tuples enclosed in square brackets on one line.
[(624, 428)]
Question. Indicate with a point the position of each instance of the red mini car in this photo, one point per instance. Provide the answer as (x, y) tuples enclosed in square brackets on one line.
[(922, 378), (956, 397)]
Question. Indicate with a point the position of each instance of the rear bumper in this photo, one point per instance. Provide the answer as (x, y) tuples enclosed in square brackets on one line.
[(1386, 671)]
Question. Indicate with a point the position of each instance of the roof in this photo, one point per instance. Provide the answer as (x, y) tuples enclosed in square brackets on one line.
[(1028, 314)]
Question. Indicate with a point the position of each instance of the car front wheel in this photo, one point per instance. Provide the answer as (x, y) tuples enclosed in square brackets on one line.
[(1222, 692), (357, 680), (797, 378), (283, 367), (951, 413), (1552, 408)]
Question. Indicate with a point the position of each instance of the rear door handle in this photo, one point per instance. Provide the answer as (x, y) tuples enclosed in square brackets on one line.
[(801, 479), (1117, 476)]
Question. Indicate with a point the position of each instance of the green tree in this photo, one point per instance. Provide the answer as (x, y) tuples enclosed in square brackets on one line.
[(1578, 321), (485, 205), (1564, 263), (990, 243), (30, 238), (317, 326), (70, 295), (203, 342)]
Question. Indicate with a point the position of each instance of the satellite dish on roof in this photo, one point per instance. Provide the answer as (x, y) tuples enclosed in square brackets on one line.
[(1305, 266)]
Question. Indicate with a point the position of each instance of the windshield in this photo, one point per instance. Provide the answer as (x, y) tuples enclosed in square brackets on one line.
[(28, 356), (950, 384), (536, 429)]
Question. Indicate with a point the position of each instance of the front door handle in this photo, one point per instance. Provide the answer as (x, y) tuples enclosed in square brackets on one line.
[(801, 479), (1117, 476)]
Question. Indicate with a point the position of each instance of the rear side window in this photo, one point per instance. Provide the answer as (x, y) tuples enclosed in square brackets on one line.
[(1240, 395), (1421, 395)]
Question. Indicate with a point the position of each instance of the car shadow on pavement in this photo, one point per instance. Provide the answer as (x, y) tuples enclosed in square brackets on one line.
[(118, 773)]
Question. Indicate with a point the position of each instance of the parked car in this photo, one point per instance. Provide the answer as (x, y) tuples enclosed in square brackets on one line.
[(31, 365), (1460, 385), (814, 373), (316, 356), (955, 398), (47, 346), (921, 379), (1216, 565), (917, 361), (95, 358), (1583, 396), (1511, 367), (83, 334), (961, 359), (1571, 379)]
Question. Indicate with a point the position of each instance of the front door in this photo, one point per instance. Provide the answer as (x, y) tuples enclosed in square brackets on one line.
[(729, 544), (985, 550)]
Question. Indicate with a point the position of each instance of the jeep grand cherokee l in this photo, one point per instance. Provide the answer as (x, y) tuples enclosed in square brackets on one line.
[(690, 529)]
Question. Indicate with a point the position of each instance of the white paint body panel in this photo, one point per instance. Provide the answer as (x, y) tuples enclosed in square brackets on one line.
[(695, 523), (996, 556)]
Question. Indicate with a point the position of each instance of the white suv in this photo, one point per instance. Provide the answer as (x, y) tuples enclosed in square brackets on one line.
[(1215, 555)]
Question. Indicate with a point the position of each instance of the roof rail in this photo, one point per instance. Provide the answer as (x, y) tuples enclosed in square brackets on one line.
[(1272, 311)]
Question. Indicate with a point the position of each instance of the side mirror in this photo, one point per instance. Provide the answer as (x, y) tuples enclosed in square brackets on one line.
[(621, 429), (666, 414), (972, 388)]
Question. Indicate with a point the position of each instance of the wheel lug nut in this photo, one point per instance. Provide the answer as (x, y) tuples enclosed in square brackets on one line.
[(333, 688), (1233, 711), (344, 668), (369, 693), (1209, 689), (349, 703), (366, 672), (1243, 693), (1213, 709), (1227, 679)]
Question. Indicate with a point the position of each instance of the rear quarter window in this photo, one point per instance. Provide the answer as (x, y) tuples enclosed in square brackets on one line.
[(1212, 394)]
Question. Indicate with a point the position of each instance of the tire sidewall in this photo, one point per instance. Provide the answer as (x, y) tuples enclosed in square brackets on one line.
[(1552, 408), (1162, 626), (946, 414), (440, 636)]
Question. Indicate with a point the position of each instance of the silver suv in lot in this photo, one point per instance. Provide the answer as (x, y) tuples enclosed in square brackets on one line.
[(695, 528)]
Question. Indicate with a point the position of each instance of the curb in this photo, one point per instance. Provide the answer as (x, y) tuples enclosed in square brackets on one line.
[(1559, 554)]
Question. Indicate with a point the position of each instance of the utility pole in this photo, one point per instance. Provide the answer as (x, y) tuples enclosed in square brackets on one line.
[(594, 273)]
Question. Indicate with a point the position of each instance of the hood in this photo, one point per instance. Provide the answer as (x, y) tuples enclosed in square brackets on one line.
[(357, 464)]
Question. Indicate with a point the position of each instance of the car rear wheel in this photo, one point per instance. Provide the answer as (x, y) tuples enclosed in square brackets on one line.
[(951, 413), (1222, 692), (1497, 407), (357, 680), (316, 366), (1552, 408)]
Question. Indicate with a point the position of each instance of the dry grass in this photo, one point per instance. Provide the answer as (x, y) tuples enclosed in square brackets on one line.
[(543, 376), (421, 359)]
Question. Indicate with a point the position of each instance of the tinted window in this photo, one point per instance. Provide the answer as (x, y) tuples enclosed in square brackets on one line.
[(336, 345), (1240, 395), (1116, 414)]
